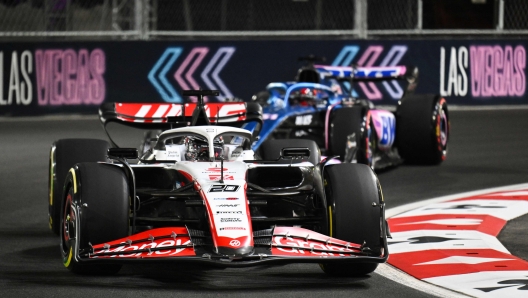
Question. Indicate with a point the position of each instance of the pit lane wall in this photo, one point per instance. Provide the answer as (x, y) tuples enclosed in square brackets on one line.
[(76, 77)]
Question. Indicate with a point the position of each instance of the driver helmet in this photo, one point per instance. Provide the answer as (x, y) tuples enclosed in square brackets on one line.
[(198, 149), (305, 97)]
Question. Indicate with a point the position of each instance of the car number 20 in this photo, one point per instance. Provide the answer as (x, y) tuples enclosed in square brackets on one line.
[(224, 188)]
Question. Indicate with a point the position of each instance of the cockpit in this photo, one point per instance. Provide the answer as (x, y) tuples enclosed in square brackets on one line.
[(201, 143)]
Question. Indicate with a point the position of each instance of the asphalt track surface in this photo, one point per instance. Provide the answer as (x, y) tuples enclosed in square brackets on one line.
[(486, 149)]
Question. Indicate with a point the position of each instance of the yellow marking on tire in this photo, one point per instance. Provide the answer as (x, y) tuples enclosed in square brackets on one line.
[(72, 171), (330, 220), (380, 190), (67, 263), (51, 178)]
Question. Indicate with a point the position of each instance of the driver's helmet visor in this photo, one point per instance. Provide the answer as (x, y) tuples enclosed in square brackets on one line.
[(198, 149)]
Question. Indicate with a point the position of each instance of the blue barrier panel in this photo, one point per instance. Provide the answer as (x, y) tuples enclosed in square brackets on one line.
[(75, 77)]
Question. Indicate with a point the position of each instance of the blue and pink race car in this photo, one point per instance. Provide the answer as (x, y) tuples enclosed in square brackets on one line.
[(319, 105)]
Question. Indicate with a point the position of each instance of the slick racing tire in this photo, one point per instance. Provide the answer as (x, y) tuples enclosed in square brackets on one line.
[(96, 210), (63, 155), (271, 149), (422, 129), (347, 121), (354, 199)]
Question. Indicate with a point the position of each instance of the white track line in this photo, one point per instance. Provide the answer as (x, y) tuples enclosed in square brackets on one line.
[(404, 208), (396, 275)]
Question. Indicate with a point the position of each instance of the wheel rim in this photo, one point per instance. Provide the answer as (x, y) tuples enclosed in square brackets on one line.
[(443, 128)]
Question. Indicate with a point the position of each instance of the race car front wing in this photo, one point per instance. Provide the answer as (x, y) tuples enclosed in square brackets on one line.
[(277, 245)]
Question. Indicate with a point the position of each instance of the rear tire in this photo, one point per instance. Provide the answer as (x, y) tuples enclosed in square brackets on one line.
[(63, 155), (344, 123), (422, 129), (271, 149), (354, 196), (96, 204)]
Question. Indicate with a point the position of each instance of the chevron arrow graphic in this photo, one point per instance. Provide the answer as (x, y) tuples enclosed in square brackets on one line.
[(220, 59), (198, 55), (159, 79)]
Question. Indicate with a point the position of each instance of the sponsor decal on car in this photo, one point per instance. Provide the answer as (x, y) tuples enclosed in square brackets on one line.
[(232, 219), (217, 177), (291, 246), (232, 229), (127, 251), (216, 169), (303, 120), (134, 246), (225, 199)]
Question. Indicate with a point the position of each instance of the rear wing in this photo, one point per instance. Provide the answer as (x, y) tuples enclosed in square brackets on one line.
[(374, 73), (353, 74), (167, 115), (163, 116)]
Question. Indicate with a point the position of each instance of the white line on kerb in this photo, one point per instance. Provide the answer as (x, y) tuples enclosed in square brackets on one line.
[(396, 275)]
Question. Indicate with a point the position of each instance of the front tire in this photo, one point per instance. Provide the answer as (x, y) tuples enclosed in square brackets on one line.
[(96, 210), (422, 129), (63, 155), (345, 122), (354, 199)]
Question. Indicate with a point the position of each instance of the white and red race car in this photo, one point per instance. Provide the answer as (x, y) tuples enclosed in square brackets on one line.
[(200, 194)]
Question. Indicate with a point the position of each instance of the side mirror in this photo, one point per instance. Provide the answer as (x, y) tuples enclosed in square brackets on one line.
[(295, 152), (128, 153)]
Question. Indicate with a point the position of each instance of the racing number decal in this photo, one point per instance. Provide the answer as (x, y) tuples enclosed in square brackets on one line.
[(224, 188)]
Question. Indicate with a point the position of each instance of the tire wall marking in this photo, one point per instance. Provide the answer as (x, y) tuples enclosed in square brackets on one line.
[(67, 263), (330, 219), (72, 171), (51, 178)]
